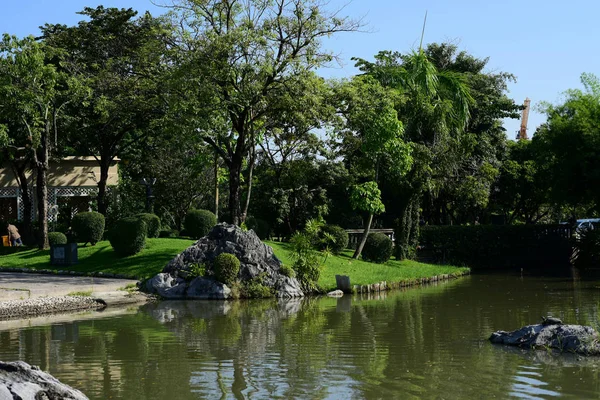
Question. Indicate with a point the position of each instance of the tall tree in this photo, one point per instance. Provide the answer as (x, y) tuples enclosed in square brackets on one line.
[(245, 56), (569, 144), (119, 59), (32, 96), (370, 132)]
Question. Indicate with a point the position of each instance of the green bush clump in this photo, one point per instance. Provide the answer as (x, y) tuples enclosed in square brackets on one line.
[(168, 233), (88, 227), (497, 246), (128, 236), (152, 224), (333, 237), (259, 226), (199, 222), (378, 248), (55, 238), (226, 268), (287, 271)]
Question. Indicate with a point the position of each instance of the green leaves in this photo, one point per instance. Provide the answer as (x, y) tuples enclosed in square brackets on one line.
[(367, 197)]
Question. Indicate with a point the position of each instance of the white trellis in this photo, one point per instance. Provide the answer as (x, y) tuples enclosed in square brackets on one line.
[(66, 191)]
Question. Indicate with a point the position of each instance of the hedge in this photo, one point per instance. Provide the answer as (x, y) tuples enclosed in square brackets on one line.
[(378, 248), (226, 268), (339, 235), (198, 223), (88, 227), (259, 226), (128, 237), (497, 246), (152, 224), (55, 238)]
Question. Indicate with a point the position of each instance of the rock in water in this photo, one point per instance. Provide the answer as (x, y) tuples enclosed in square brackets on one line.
[(19, 380), (568, 338), (257, 262)]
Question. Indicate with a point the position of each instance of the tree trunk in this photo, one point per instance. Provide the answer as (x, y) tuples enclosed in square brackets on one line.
[(247, 205), (235, 169), (217, 186), (42, 206), (102, 203), (359, 249), (26, 199)]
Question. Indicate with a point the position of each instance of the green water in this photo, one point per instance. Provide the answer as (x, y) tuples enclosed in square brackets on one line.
[(420, 343)]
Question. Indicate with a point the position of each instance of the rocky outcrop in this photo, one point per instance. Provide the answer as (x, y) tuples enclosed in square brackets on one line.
[(19, 380), (566, 338), (257, 264)]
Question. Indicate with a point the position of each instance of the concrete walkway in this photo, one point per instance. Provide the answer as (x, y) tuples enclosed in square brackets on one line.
[(23, 286)]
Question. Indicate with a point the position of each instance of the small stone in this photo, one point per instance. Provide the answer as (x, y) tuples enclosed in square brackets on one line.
[(335, 293)]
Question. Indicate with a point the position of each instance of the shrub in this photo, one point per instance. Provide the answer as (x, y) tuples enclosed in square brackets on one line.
[(226, 268), (287, 271), (378, 248), (259, 226), (88, 227), (128, 236), (336, 238), (307, 265), (199, 222), (152, 224), (168, 233), (498, 246), (586, 252), (55, 238)]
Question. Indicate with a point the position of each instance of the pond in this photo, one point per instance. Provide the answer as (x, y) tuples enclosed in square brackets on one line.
[(427, 342)]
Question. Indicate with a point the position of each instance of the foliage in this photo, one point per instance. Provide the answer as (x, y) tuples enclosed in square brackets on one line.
[(226, 268), (196, 271), (249, 58), (287, 271), (378, 248), (128, 236), (256, 289), (152, 224), (199, 222), (498, 246), (586, 252), (259, 226), (336, 239), (307, 264), (55, 238), (88, 227), (569, 143), (367, 197)]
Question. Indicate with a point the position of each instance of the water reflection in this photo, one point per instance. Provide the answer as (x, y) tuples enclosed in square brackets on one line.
[(423, 343)]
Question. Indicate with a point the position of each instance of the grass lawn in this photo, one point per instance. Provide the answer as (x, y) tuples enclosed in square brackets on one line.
[(365, 273), (158, 252), (102, 258)]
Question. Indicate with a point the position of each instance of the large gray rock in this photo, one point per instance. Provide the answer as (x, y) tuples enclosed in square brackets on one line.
[(19, 380), (257, 262), (567, 338)]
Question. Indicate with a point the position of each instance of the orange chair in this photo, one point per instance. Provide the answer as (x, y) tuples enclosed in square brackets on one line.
[(5, 241)]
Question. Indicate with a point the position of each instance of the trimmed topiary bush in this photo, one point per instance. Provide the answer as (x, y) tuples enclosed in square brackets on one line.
[(339, 236), (88, 227), (259, 226), (199, 222), (152, 224), (55, 238), (128, 236), (378, 248), (226, 268)]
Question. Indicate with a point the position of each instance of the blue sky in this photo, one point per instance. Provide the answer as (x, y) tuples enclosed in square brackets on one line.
[(546, 44)]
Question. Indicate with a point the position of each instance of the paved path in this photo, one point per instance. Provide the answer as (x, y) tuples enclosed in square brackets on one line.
[(16, 286)]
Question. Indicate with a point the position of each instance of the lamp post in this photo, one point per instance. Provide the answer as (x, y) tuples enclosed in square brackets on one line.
[(149, 182)]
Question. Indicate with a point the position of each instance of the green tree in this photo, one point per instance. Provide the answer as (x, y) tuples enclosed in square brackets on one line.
[(569, 145), (244, 57), (120, 60), (370, 131), (33, 95)]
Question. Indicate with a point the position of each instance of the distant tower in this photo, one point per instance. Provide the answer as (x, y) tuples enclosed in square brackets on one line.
[(522, 135)]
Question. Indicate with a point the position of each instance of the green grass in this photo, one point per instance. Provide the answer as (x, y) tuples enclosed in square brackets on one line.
[(87, 293), (365, 273), (102, 258), (158, 252)]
